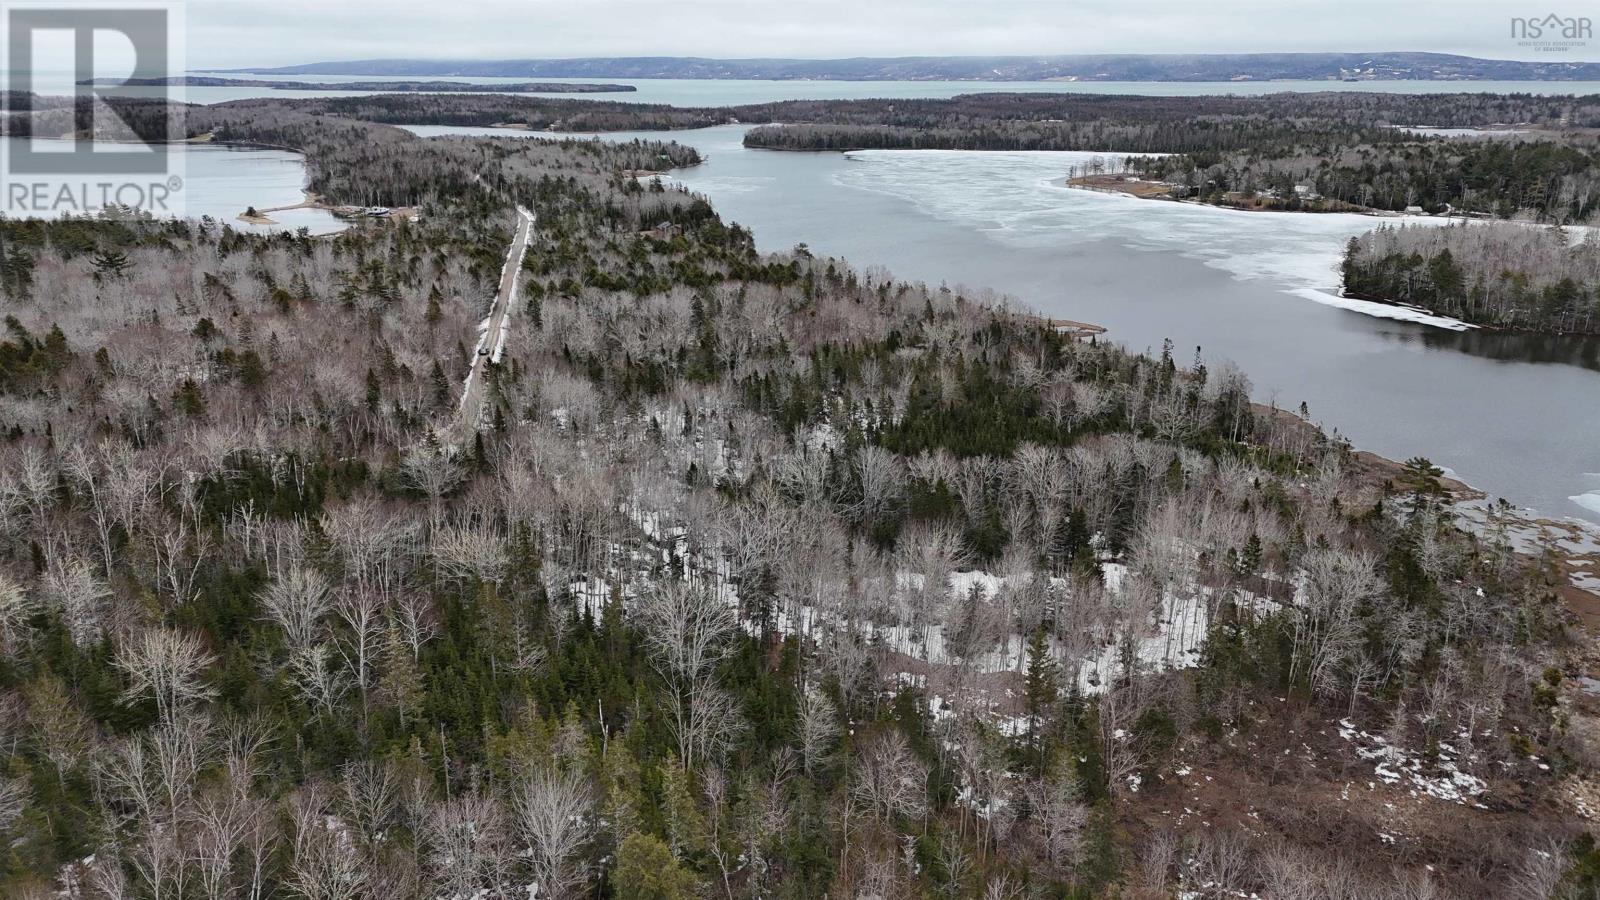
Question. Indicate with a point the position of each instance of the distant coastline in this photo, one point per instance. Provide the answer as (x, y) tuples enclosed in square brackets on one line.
[(398, 87), (1240, 67)]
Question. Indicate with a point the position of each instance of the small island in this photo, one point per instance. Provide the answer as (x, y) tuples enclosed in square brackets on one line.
[(256, 217)]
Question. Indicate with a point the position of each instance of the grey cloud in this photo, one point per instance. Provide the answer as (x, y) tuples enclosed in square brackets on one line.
[(239, 32)]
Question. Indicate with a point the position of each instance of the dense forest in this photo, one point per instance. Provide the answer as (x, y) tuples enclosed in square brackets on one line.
[(1502, 275), (765, 577), (536, 113), (155, 118), (1270, 125)]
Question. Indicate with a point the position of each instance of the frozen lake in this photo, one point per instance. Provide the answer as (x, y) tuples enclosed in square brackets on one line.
[(222, 182)]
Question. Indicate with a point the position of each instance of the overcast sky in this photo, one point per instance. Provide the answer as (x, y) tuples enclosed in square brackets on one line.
[(279, 32)]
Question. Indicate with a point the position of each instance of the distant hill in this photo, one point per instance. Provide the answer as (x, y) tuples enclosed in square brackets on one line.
[(399, 87), (1120, 67)]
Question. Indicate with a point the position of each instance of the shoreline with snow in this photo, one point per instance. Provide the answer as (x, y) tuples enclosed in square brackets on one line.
[(1381, 310)]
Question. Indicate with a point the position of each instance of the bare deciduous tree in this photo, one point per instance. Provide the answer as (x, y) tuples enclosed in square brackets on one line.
[(553, 818), (297, 601), (687, 630), (877, 482), (433, 471), (888, 779), (369, 794), (324, 863), (179, 557), (13, 800), (474, 552), (218, 822), (818, 727), (1059, 816), (166, 666), (321, 684), (17, 606), (1327, 628), (414, 613), (362, 612), (80, 597), (466, 845)]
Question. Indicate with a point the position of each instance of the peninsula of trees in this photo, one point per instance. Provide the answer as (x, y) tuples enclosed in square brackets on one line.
[(1500, 275), (1548, 180), (1273, 123)]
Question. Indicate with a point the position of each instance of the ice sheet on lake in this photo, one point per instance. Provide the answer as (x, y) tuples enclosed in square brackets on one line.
[(1020, 198), (1589, 496)]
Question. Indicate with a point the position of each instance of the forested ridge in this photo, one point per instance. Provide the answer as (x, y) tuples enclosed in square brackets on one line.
[(1270, 123), (431, 86), (1087, 67), (767, 577), (1265, 125), (537, 113)]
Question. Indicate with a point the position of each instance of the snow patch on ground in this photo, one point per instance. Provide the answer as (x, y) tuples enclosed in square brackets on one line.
[(1174, 642), (1526, 531), (1442, 779)]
